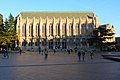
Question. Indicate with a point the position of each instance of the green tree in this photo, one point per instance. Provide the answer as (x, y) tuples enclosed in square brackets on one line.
[(8, 34)]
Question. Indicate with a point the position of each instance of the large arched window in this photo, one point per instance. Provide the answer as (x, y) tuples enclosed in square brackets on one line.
[(44, 30), (31, 42), (83, 29), (64, 29), (58, 29), (71, 29), (77, 29), (37, 30), (37, 42), (31, 30), (90, 27), (51, 29), (24, 30)]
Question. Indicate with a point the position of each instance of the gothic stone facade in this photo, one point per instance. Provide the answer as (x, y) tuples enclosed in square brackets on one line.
[(55, 30)]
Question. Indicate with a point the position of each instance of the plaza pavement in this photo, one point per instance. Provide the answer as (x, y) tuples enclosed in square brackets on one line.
[(58, 66)]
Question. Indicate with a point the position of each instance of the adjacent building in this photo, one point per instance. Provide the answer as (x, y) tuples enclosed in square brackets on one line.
[(111, 32), (55, 30), (109, 37)]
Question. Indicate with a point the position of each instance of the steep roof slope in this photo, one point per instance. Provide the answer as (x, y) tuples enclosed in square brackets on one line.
[(56, 14)]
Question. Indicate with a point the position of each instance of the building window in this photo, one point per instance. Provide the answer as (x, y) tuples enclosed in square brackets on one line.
[(86, 28), (44, 30), (37, 30), (71, 29), (90, 27), (64, 32), (51, 29), (24, 43), (31, 30), (77, 29), (83, 29), (37, 42), (31, 42), (24, 30), (58, 29)]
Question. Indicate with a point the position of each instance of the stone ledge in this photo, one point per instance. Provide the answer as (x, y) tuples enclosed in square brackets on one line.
[(114, 57)]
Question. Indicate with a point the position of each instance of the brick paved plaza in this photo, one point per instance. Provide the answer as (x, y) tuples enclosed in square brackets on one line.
[(58, 66)]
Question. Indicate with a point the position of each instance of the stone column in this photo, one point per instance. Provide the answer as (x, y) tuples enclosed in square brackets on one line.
[(60, 27), (40, 29), (80, 29), (27, 32), (67, 26), (74, 33), (54, 32), (34, 32), (86, 26), (47, 32), (54, 27), (47, 26)]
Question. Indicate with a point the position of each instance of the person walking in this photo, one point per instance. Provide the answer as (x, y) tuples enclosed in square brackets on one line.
[(6, 52), (79, 55), (91, 54), (3, 51), (20, 51), (54, 51), (83, 55), (46, 54), (69, 52), (39, 50)]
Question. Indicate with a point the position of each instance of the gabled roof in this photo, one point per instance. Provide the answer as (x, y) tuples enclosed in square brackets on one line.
[(56, 14)]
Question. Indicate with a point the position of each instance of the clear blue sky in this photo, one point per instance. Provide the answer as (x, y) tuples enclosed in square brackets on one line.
[(108, 11)]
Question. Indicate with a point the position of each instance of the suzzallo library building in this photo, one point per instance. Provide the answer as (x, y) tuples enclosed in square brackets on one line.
[(58, 31)]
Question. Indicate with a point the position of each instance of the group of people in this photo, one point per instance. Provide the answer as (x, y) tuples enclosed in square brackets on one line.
[(81, 55)]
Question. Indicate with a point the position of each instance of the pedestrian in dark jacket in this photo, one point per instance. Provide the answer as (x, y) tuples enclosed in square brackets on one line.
[(91, 54), (79, 55), (5, 53), (83, 55), (54, 51), (46, 54), (20, 51)]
